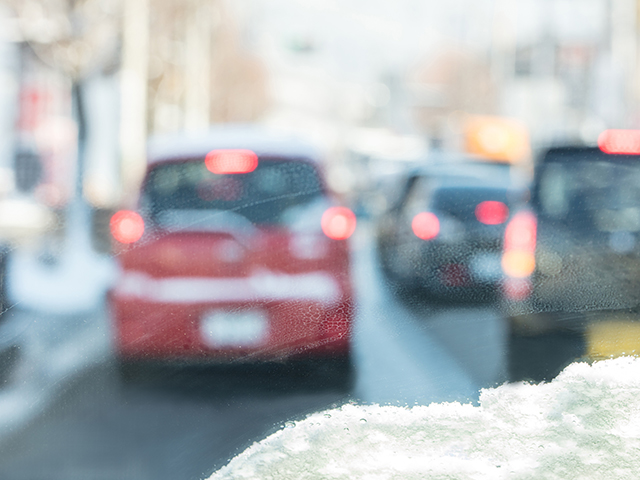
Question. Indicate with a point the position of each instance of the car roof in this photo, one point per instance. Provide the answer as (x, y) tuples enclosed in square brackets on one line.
[(469, 173), (572, 153), (262, 141), (451, 182)]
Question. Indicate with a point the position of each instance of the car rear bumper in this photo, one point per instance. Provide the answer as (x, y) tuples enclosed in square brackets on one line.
[(166, 331), (475, 275)]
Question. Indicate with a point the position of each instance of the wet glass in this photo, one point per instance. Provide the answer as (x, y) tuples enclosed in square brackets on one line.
[(177, 282), (263, 196)]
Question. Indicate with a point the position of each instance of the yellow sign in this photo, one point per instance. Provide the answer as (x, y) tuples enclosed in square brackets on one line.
[(497, 138), (613, 338)]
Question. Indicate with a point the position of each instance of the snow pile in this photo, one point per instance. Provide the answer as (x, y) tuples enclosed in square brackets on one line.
[(584, 424), (76, 284), (77, 281)]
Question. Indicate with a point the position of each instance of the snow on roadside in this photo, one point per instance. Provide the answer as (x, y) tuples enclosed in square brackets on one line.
[(76, 284), (584, 424)]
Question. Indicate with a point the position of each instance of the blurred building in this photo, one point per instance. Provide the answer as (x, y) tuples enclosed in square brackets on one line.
[(198, 71), (182, 68), (143, 67), (565, 68), (445, 88)]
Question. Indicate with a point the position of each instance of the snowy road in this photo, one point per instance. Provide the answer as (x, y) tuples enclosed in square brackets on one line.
[(407, 352)]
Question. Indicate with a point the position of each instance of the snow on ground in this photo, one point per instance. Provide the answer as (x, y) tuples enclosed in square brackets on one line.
[(75, 283), (584, 424)]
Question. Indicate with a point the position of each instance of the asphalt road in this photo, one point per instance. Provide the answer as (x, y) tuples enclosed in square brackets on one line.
[(183, 425)]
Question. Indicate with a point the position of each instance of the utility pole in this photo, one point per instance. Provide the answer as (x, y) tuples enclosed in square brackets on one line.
[(624, 52), (503, 42), (133, 106), (197, 76)]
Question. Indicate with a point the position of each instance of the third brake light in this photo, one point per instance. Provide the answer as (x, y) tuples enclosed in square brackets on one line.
[(231, 161), (620, 142)]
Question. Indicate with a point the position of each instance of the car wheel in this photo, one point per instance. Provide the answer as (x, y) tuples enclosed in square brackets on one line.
[(338, 374), (4, 259), (9, 359), (397, 276), (131, 372), (383, 258), (325, 374), (541, 357)]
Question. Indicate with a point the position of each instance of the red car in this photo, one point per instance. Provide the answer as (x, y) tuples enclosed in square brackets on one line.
[(236, 253)]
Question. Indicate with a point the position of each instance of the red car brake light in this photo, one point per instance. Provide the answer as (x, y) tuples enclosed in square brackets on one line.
[(518, 259), (620, 142), (492, 213), (231, 161), (338, 223), (425, 225), (126, 226)]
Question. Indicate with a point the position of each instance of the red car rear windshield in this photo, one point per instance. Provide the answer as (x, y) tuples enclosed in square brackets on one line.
[(261, 196)]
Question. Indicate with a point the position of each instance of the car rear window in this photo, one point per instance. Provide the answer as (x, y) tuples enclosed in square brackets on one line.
[(461, 203), (593, 193), (262, 196)]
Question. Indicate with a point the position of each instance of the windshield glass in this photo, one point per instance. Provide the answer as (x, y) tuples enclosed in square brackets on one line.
[(600, 195), (463, 202), (263, 196), (369, 239)]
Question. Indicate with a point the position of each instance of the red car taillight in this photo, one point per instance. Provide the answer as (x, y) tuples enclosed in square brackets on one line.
[(425, 225), (338, 223), (126, 226)]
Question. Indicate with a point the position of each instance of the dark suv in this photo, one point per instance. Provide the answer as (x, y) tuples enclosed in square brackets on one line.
[(572, 262)]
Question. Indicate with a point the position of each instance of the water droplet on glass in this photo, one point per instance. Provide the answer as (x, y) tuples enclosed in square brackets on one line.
[(363, 420), (327, 415), (289, 424)]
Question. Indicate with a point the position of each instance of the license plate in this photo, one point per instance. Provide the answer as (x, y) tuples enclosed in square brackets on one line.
[(247, 328), (486, 267), (613, 338)]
